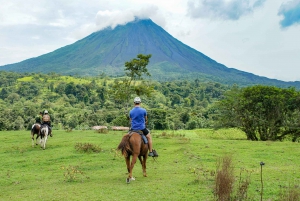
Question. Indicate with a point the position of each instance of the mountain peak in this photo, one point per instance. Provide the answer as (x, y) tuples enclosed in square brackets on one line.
[(106, 51)]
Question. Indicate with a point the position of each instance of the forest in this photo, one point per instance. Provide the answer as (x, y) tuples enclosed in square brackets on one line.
[(76, 102), (82, 102)]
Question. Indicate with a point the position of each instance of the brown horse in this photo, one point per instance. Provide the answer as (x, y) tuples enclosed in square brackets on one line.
[(133, 145), (35, 129)]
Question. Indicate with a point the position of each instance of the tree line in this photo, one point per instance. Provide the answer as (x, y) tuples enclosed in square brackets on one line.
[(262, 112), (83, 102)]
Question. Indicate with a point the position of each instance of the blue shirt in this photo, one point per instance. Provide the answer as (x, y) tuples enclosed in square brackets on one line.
[(137, 116)]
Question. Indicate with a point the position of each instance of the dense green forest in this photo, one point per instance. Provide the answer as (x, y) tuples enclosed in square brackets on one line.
[(262, 112), (82, 102)]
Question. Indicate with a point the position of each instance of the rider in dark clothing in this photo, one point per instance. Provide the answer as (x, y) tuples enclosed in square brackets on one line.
[(47, 120), (38, 118)]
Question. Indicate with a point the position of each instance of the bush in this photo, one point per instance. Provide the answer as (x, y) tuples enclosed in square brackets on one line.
[(87, 148), (224, 179)]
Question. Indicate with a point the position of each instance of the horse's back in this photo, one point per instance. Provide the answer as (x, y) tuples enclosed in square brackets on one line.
[(132, 143), (35, 128), (137, 144)]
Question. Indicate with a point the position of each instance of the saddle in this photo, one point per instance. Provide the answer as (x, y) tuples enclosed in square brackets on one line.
[(145, 140)]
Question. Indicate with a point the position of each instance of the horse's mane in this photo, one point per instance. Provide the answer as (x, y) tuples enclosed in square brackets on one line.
[(124, 145)]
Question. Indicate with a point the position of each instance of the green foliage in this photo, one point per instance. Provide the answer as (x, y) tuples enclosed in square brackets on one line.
[(82, 102), (158, 119), (262, 112), (121, 120), (133, 84), (136, 68)]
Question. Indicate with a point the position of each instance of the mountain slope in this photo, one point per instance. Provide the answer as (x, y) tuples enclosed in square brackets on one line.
[(107, 51)]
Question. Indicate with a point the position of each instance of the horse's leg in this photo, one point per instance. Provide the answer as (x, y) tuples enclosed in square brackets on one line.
[(143, 163), (42, 142), (42, 139), (127, 160), (32, 139), (36, 139), (133, 161), (45, 139)]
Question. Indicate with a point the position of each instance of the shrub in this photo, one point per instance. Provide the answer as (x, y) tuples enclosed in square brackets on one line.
[(87, 147), (224, 179), (72, 173)]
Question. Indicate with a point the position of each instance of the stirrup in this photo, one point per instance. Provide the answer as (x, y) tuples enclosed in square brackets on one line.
[(151, 154)]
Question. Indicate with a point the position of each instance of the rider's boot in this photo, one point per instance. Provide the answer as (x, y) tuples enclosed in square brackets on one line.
[(152, 152), (50, 132)]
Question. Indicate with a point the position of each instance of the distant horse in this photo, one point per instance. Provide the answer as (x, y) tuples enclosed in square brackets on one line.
[(35, 129), (44, 135), (133, 145)]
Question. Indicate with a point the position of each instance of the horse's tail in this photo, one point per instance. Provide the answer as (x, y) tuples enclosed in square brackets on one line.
[(124, 145), (33, 127)]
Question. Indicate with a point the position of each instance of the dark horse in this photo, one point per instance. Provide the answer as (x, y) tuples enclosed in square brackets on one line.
[(35, 129), (133, 145)]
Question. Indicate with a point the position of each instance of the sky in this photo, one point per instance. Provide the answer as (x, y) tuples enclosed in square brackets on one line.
[(256, 36)]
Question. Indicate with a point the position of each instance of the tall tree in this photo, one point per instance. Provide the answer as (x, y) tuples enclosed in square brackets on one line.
[(262, 112), (134, 83)]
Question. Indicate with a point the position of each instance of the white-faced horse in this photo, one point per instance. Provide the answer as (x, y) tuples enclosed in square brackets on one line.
[(35, 130), (44, 135)]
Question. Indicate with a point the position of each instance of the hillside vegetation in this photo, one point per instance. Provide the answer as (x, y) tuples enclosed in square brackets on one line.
[(262, 112), (83, 102)]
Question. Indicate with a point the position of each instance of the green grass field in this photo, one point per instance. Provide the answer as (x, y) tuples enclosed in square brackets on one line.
[(184, 169)]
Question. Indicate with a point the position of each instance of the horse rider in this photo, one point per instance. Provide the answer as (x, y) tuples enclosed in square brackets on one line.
[(38, 118), (139, 119), (47, 120)]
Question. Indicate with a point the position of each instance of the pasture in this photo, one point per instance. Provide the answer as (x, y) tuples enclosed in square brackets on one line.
[(184, 169)]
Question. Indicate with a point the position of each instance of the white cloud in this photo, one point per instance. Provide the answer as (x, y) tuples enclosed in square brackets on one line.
[(113, 18), (242, 34)]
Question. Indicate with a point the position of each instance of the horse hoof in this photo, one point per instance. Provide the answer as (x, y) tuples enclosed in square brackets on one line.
[(128, 180)]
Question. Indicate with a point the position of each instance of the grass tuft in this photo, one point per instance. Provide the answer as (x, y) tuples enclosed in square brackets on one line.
[(87, 148), (224, 179), (73, 173), (292, 193)]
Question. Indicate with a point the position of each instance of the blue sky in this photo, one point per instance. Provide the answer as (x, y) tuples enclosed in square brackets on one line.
[(256, 36)]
